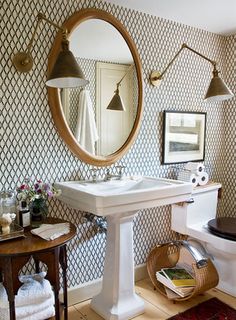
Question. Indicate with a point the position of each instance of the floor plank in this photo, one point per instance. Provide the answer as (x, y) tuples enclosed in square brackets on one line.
[(152, 312), (157, 307), (86, 311), (74, 314), (145, 289)]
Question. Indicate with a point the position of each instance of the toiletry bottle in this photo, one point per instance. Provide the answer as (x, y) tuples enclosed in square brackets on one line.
[(24, 214)]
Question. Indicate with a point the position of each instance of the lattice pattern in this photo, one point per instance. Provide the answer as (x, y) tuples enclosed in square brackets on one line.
[(31, 146), (229, 112)]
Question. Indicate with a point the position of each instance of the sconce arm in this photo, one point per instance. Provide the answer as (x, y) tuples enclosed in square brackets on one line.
[(169, 64), (23, 61), (41, 17), (184, 46), (118, 83)]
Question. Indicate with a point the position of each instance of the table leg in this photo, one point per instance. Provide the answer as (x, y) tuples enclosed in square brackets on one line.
[(10, 267), (56, 282), (63, 262), (12, 310), (51, 259), (37, 269), (8, 284)]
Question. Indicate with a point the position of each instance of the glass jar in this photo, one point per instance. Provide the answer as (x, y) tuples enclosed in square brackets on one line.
[(7, 201)]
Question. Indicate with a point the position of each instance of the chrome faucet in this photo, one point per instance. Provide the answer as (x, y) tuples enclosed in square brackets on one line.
[(120, 171), (94, 174), (118, 176), (108, 176)]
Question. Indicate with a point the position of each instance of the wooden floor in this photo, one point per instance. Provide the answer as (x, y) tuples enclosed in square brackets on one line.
[(157, 307)]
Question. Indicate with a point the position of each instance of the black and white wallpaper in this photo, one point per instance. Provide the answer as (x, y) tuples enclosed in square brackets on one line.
[(228, 165), (31, 146)]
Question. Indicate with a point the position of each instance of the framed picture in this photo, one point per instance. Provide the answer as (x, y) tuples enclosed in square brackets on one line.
[(183, 136)]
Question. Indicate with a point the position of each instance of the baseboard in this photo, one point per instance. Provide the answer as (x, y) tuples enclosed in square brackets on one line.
[(84, 291), (87, 290), (141, 272)]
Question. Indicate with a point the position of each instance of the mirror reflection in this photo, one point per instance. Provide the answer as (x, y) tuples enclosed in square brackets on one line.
[(107, 63)]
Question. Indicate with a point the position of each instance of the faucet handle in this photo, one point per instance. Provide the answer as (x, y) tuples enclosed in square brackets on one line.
[(93, 172), (107, 175), (120, 168)]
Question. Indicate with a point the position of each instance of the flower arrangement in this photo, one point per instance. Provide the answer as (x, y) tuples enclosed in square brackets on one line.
[(31, 190)]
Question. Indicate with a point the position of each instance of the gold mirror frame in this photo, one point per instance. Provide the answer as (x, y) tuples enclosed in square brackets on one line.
[(55, 102)]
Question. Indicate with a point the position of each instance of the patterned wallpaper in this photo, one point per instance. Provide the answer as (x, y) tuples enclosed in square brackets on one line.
[(230, 131), (31, 146)]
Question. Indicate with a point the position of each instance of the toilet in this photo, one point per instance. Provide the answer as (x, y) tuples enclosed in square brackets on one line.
[(219, 238)]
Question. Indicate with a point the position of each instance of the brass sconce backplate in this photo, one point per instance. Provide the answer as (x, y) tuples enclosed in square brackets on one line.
[(155, 78), (23, 61)]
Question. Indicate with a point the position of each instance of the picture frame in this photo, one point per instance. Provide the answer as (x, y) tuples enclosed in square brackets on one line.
[(183, 136)]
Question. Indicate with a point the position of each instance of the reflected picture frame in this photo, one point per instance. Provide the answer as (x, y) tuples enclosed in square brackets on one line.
[(183, 136)]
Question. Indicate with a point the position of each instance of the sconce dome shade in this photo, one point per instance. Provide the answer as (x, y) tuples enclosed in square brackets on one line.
[(218, 90), (116, 102), (66, 73)]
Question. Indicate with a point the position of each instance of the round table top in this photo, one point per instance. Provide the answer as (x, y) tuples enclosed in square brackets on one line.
[(32, 243)]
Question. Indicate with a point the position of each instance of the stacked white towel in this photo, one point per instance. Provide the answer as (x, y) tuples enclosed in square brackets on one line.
[(194, 172), (34, 300), (52, 231)]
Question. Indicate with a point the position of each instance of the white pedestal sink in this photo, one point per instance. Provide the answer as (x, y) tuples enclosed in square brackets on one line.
[(119, 201)]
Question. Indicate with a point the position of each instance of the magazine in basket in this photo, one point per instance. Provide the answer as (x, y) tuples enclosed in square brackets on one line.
[(179, 277), (181, 291)]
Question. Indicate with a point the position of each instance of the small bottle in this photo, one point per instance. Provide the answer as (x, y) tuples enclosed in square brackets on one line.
[(24, 214)]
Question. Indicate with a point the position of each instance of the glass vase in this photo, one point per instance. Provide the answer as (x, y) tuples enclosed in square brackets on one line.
[(39, 211)]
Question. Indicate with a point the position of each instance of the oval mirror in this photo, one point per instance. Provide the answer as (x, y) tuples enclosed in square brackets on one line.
[(98, 123)]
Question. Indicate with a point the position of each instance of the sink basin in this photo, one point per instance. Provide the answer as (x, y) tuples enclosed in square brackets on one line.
[(119, 201), (131, 193), (119, 186)]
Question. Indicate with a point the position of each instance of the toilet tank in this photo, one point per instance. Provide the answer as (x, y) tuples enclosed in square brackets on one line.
[(201, 209)]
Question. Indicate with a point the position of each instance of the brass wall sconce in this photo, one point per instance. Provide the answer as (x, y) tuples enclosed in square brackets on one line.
[(116, 102), (65, 73), (217, 90)]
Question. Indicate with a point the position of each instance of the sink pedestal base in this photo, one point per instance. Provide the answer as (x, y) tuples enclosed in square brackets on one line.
[(117, 300)]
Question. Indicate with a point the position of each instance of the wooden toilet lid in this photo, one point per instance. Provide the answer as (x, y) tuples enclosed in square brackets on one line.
[(223, 227)]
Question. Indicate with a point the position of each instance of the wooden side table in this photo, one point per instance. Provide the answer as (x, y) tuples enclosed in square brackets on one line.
[(14, 254)]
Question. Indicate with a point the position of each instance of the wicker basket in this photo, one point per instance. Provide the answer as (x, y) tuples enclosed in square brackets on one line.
[(166, 256)]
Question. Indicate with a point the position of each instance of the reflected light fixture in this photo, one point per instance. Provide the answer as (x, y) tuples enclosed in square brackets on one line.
[(116, 102), (65, 73), (217, 91)]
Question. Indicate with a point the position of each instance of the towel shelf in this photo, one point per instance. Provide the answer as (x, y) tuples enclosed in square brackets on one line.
[(16, 253)]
